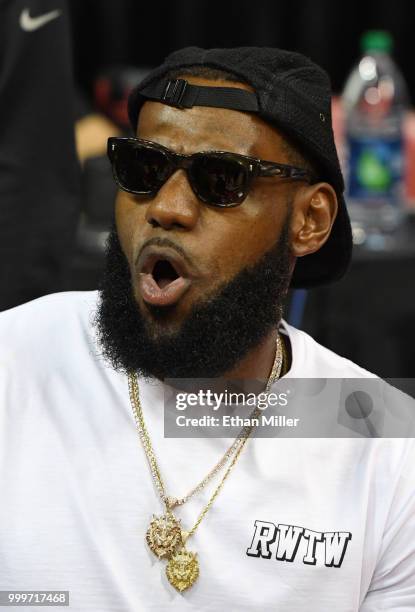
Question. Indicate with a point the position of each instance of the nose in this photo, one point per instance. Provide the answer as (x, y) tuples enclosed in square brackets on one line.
[(175, 206)]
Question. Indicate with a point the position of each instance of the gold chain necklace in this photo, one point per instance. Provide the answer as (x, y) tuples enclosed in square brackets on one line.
[(169, 501), (165, 536)]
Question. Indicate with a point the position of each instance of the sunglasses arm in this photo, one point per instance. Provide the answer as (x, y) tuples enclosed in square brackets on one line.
[(283, 171)]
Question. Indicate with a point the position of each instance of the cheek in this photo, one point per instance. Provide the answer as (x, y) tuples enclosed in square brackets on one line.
[(128, 217), (244, 235)]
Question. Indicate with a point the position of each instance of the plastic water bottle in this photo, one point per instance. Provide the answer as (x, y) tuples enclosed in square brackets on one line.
[(375, 100)]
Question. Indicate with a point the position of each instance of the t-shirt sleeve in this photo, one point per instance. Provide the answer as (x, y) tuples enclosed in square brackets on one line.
[(392, 587)]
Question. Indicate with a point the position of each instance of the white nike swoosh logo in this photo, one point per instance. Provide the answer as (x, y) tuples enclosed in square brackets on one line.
[(30, 24)]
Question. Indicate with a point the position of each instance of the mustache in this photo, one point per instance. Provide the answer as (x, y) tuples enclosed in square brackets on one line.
[(164, 242)]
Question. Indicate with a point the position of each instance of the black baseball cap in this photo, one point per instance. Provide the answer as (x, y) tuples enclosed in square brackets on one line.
[(291, 93)]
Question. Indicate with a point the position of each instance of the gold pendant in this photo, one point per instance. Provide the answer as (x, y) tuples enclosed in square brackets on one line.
[(183, 569), (164, 535)]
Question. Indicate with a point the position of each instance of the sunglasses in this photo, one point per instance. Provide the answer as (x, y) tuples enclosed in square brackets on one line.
[(218, 178)]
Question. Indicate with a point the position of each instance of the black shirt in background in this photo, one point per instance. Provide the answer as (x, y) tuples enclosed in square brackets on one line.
[(39, 171)]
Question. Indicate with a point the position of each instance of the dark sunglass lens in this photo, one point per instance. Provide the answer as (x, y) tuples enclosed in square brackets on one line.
[(140, 169), (219, 179)]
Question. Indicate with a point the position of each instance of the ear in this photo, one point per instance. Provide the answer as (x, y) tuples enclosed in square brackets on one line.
[(313, 214)]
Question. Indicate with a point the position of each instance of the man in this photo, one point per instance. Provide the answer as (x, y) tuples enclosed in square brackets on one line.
[(229, 192)]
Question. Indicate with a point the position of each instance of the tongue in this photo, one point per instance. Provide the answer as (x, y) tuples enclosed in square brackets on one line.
[(165, 292), (163, 282)]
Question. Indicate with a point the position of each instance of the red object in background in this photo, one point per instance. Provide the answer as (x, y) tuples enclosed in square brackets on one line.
[(338, 127), (409, 148), (115, 109), (111, 90)]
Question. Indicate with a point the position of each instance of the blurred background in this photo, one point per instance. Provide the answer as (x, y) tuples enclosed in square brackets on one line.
[(64, 82)]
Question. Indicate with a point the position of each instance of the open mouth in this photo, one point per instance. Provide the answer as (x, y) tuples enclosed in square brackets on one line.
[(164, 276), (164, 273)]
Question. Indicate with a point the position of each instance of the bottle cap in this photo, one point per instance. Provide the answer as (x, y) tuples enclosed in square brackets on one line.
[(376, 40)]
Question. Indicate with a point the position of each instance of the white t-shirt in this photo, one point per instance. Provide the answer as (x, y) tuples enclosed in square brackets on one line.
[(319, 525)]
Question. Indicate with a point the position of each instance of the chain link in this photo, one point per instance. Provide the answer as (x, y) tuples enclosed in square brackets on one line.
[(234, 450)]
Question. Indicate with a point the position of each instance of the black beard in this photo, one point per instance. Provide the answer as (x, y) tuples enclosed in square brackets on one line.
[(218, 332)]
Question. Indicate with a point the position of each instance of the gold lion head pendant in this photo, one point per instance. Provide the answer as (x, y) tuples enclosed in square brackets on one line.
[(183, 569), (164, 535)]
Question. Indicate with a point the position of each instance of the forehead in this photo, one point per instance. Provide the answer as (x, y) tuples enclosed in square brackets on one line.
[(206, 128)]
